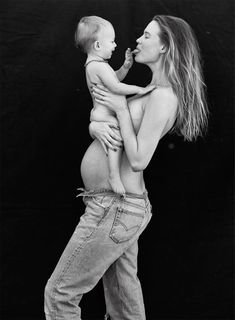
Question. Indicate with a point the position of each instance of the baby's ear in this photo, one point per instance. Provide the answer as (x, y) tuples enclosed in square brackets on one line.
[(96, 45)]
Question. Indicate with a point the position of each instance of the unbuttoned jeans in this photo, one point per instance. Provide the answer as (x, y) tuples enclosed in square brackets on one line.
[(103, 245)]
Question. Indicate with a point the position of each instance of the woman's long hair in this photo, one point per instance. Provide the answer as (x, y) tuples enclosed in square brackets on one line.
[(182, 66)]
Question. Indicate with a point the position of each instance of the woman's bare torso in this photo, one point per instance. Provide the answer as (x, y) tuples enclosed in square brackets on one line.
[(94, 165)]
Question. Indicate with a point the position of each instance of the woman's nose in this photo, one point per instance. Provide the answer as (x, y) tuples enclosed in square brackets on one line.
[(138, 40)]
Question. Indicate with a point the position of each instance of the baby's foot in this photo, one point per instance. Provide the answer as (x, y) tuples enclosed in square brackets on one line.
[(117, 185)]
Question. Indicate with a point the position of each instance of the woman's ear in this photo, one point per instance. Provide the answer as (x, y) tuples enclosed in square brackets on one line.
[(163, 49), (96, 45)]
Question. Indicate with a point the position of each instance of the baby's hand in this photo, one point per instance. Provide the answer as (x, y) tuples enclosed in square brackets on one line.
[(128, 59), (146, 89)]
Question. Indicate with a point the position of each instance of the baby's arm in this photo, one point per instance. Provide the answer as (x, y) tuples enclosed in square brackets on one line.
[(122, 72), (108, 77)]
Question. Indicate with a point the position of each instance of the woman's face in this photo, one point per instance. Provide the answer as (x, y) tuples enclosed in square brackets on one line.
[(149, 46)]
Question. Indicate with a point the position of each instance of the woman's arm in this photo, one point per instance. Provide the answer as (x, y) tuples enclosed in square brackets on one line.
[(107, 133), (159, 109), (140, 148)]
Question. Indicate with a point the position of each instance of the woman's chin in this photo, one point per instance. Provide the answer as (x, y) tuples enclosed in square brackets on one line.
[(138, 59)]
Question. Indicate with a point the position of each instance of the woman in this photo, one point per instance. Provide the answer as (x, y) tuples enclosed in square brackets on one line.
[(105, 242)]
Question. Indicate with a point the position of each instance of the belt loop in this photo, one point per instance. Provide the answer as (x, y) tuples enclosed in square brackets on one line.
[(146, 197), (81, 193), (122, 198), (84, 192)]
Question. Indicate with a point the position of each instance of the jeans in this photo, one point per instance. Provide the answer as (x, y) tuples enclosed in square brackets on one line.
[(103, 245)]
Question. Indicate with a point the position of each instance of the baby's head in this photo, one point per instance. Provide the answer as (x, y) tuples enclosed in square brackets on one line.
[(95, 34)]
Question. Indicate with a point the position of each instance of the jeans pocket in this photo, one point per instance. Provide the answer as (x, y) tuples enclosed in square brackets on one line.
[(126, 224)]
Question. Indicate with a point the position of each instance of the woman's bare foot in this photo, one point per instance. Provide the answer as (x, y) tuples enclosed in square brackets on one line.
[(116, 184)]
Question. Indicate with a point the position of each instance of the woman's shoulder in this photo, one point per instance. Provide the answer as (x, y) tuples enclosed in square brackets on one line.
[(165, 92), (163, 95), (161, 104)]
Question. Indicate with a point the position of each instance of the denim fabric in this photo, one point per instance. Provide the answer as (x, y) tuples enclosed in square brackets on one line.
[(103, 245)]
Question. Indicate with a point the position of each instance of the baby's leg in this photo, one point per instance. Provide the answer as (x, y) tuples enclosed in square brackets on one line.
[(114, 159), (101, 113)]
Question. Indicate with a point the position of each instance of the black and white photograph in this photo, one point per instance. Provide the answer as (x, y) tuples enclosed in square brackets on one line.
[(117, 160)]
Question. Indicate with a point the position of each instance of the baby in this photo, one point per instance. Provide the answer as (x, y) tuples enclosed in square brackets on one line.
[(96, 37)]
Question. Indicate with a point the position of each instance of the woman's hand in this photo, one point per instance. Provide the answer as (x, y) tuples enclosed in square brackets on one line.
[(107, 133), (113, 101)]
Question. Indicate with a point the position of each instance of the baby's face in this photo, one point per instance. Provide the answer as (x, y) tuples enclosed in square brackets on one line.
[(106, 40)]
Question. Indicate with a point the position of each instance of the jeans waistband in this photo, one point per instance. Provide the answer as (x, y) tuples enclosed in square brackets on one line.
[(109, 192)]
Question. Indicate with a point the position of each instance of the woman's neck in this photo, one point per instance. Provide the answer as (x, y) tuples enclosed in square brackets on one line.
[(159, 79), (158, 76)]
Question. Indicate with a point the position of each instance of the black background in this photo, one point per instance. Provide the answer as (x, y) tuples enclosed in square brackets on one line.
[(185, 259)]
